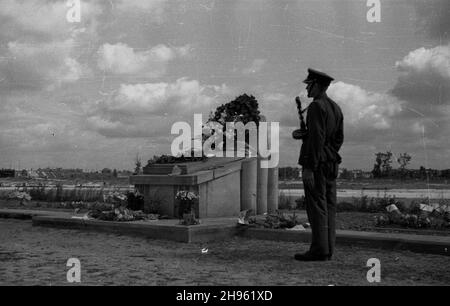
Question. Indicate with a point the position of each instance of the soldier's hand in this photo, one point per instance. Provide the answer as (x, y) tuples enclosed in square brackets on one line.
[(308, 177), (297, 134)]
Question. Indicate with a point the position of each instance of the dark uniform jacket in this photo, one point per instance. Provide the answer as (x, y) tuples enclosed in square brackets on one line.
[(325, 134)]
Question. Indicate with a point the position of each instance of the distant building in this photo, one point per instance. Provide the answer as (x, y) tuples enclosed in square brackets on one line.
[(33, 174), (22, 173), (367, 174), (360, 174), (42, 174)]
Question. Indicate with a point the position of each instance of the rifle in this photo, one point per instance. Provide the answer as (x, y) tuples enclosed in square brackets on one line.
[(302, 133)]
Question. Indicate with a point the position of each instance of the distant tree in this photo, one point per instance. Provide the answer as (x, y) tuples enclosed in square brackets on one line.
[(115, 173), (423, 172), (137, 162), (106, 171), (382, 166), (377, 166), (445, 174), (346, 174), (403, 160), (387, 161)]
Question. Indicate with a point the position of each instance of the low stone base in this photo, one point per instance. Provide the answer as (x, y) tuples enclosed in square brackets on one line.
[(214, 230), (219, 190)]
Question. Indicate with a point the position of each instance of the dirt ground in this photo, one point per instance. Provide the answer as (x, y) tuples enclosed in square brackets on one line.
[(38, 256)]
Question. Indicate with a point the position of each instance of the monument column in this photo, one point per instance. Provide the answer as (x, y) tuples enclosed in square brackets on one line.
[(272, 190), (261, 200), (249, 184)]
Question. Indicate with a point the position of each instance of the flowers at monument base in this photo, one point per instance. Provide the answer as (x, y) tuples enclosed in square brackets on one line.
[(244, 217), (86, 205), (115, 197), (19, 195), (435, 216), (184, 195), (121, 214), (186, 207), (278, 220), (121, 207), (298, 227)]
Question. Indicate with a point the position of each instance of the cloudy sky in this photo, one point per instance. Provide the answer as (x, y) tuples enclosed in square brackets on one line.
[(96, 93)]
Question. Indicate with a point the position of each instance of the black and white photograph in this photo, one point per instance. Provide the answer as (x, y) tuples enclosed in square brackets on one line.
[(224, 148)]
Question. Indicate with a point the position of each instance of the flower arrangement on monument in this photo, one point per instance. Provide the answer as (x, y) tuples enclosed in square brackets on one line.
[(187, 200), (243, 109), (184, 195)]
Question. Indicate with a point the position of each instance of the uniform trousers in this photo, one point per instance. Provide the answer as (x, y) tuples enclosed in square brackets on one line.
[(320, 201)]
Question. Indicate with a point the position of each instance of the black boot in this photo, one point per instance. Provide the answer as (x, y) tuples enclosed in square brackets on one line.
[(308, 256)]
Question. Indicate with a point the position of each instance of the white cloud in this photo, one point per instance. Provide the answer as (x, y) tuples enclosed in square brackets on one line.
[(46, 127), (122, 59), (424, 80), (42, 49), (46, 17), (434, 61), (161, 97), (364, 109), (135, 107), (151, 126), (44, 65)]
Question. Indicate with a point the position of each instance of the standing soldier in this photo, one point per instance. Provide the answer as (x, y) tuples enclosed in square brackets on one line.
[(319, 158)]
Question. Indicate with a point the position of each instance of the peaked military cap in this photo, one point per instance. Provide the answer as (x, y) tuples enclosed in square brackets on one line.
[(318, 76)]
